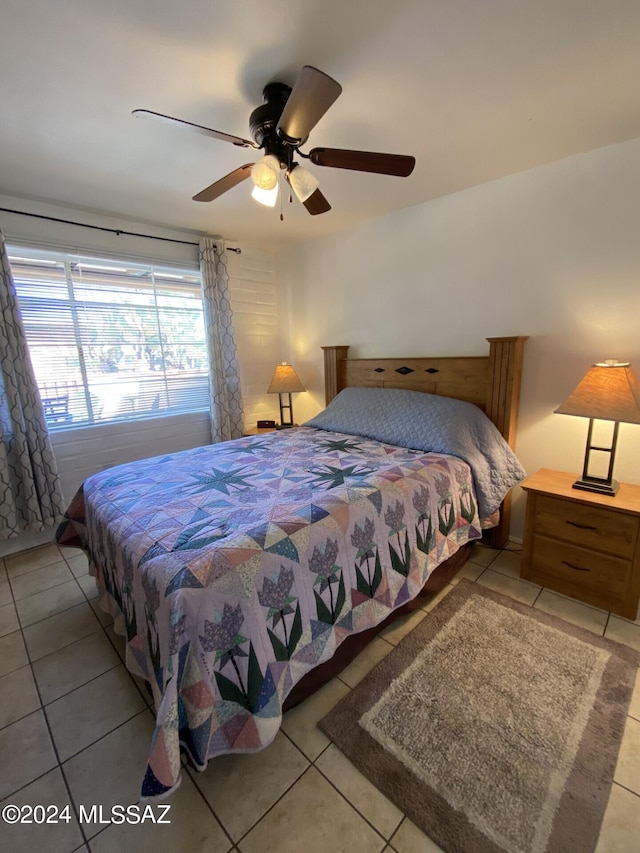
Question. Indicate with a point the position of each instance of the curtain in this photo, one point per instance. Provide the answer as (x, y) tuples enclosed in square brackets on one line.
[(227, 415), (30, 494)]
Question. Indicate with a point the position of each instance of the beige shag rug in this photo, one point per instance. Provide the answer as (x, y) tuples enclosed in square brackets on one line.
[(493, 726)]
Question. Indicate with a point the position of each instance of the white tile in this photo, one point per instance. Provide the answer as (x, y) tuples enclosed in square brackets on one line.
[(483, 555), (8, 620), (628, 767), (314, 818), (236, 786), (401, 626), (60, 630), (359, 791), (634, 706), (47, 603), (620, 829), (90, 712), (410, 839), (68, 551), (6, 596), (365, 661), (74, 665), (88, 585), (40, 579), (522, 591), (103, 617), (623, 631), (78, 563), (118, 642), (437, 598), (300, 722), (61, 836), (29, 561), (193, 829), (572, 611), (18, 696), (111, 771), (507, 563), (470, 571), (27, 752), (13, 653)]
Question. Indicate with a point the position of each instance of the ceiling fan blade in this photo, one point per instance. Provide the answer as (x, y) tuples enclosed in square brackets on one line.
[(312, 95), (400, 165), (207, 131), (317, 203), (227, 183)]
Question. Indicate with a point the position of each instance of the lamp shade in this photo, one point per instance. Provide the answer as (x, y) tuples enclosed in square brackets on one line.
[(609, 391), (264, 173), (303, 183), (285, 381), (266, 197)]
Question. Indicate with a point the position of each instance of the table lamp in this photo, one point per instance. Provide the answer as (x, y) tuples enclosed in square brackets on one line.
[(284, 383), (609, 391)]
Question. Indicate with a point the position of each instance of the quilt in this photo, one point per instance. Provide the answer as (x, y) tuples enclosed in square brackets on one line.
[(234, 569)]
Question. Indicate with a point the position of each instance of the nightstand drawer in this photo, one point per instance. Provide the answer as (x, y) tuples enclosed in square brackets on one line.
[(587, 526), (572, 569), (583, 544)]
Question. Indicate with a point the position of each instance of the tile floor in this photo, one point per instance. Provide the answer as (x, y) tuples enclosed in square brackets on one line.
[(75, 729)]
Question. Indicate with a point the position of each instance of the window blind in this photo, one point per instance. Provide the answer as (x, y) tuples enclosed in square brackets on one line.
[(111, 340)]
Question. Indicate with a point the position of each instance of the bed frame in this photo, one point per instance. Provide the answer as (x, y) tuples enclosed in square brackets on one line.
[(491, 382)]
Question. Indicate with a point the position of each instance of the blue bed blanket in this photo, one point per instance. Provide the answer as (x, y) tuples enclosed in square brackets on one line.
[(429, 423)]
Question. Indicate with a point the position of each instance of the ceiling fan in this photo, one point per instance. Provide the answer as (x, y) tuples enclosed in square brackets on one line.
[(279, 127)]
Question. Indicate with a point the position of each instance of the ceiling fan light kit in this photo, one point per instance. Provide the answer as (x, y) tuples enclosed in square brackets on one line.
[(303, 183), (265, 172), (279, 127), (266, 197)]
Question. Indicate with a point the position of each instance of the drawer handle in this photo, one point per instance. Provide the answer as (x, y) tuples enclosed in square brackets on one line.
[(576, 568), (582, 526)]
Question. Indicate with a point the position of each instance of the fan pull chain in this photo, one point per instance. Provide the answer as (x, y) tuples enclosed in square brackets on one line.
[(290, 196), (280, 181)]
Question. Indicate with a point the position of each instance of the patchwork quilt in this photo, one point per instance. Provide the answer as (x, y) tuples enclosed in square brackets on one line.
[(234, 569)]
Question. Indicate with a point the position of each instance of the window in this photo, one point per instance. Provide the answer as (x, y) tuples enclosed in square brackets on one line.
[(111, 340)]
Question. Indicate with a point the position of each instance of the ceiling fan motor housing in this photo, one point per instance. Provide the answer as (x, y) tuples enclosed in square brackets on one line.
[(263, 121)]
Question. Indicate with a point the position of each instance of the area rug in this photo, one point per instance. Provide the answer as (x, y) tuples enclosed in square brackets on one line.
[(493, 726)]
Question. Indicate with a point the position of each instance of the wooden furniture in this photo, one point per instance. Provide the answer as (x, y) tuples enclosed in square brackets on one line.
[(258, 430), (237, 566), (491, 382), (583, 544)]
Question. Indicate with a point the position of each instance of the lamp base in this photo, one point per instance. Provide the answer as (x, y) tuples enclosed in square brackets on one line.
[(285, 426), (602, 487)]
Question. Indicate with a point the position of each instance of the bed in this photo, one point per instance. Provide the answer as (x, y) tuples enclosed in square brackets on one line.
[(241, 574)]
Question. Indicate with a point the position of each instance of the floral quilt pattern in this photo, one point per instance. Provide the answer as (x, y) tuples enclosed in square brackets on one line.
[(234, 569)]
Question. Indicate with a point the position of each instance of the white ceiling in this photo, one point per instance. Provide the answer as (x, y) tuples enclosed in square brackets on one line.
[(475, 89)]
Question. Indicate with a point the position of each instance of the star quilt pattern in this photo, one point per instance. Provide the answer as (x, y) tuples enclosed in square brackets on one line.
[(234, 569)]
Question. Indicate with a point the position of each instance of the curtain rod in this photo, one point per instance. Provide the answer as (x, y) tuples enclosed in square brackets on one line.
[(117, 231)]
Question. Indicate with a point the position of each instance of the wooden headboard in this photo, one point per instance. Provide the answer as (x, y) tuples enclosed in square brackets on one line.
[(492, 382)]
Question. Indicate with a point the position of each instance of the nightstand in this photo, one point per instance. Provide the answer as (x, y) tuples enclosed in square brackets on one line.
[(258, 430), (583, 544)]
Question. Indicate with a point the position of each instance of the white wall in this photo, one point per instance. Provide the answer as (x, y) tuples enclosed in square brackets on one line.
[(260, 303), (553, 253)]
